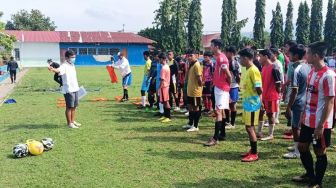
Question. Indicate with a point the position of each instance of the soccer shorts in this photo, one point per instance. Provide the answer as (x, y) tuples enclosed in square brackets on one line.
[(271, 106), (234, 95), (306, 136), (164, 94), (251, 118), (222, 99), (194, 101), (127, 80)]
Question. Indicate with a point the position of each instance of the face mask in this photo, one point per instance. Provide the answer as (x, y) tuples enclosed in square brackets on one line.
[(72, 60)]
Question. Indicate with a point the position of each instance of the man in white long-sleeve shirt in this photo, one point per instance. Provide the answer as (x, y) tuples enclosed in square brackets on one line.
[(125, 70)]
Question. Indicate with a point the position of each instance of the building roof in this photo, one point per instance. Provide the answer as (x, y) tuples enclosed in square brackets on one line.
[(79, 37), (206, 39)]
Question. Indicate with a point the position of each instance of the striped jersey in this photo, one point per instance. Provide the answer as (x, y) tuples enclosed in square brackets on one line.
[(320, 85)]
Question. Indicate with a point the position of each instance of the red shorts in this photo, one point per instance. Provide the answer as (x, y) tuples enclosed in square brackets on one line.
[(271, 106), (164, 94)]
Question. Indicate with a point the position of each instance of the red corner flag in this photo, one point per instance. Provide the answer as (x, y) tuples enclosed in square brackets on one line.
[(113, 76)]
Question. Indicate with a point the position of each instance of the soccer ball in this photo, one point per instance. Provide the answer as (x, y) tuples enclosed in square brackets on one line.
[(48, 143), (35, 147), (20, 150)]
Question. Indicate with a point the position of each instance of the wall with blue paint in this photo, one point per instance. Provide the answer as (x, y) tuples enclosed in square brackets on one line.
[(5, 75), (134, 51)]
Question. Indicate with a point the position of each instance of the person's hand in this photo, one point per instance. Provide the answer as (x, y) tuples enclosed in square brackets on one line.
[(262, 107), (318, 133), (288, 113), (50, 68)]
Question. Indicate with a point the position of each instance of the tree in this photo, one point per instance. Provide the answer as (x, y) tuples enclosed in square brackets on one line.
[(9, 26), (31, 21), (152, 33), (277, 35), (302, 24), (164, 21), (231, 29), (334, 28), (329, 26), (179, 28), (316, 23), (259, 24), (289, 23), (6, 41), (195, 25)]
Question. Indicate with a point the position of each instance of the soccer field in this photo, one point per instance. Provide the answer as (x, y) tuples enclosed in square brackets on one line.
[(121, 146)]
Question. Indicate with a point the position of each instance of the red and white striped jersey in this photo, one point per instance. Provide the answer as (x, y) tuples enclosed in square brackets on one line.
[(320, 85)]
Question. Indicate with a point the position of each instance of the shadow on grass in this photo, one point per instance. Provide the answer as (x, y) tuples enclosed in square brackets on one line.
[(257, 181), (31, 126), (223, 156)]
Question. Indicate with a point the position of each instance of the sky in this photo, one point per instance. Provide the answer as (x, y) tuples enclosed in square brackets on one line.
[(111, 15)]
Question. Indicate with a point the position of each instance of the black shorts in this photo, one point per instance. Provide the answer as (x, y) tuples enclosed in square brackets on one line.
[(194, 101), (306, 136), (71, 99), (207, 89), (152, 88)]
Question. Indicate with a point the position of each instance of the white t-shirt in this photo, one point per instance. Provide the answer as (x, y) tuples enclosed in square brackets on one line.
[(69, 78), (123, 66)]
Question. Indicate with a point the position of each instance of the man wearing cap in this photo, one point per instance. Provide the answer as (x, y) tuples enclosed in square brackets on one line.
[(125, 70)]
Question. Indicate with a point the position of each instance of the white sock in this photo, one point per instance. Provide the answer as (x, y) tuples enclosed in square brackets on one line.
[(161, 108), (271, 129), (143, 101), (260, 126), (296, 147)]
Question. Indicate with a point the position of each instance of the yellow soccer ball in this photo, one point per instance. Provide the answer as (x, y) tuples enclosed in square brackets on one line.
[(35, 147)]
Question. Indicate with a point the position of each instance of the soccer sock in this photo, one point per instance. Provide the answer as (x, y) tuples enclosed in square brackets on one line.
[(277, 115), (191, 118), (307, 162), (197, 116), (227, 116), (233, 117), (260, 126), (296, 147), (218, 126), (161, 108), (124, 97), (320, 168), (222, 129), (271, 129), (253, 147), (151, 100), (167, 112), (177, 102), (143, 101)]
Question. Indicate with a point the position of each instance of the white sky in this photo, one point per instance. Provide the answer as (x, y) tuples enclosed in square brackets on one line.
[(110, 15)]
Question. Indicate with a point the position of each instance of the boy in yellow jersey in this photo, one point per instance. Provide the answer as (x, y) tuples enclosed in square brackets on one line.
[(145, 84), (251, 86)]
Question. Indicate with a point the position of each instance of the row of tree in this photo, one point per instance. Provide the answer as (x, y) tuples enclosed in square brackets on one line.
[(6, 41), (178, 25), (309, 25)]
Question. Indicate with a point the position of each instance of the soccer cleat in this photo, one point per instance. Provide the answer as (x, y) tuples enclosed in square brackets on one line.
[(267, 138), (158, 114), (186, 114), (193, 129), (277, 121), (177, 109), (187, 126), (250, 158), (221, 138), (266, 124), (211, 142), (259, 135), (314, 186), (291, 148), (229, 126), (166, 120), (183, 110), (291, 155), (72, 126), (124, 100), (245, 154), (77, 124), (162, 118), (302, 179)]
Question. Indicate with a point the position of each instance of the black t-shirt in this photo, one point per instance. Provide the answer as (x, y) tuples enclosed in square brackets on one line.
[(54, 65), (173, 71), (257, 64)]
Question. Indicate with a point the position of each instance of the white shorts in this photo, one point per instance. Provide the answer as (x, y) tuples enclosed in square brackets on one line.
[(222, 99)]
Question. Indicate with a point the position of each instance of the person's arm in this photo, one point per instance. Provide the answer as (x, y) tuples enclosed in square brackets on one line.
[(277, 79), (199, 73), (8, 67), (329, 105), (228, 74), (329, 93)]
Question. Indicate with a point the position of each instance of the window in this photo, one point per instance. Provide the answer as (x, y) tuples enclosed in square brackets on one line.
[(92, 51), (74, 50), (83, 51), (17, 54), (103, 51), (114, 51)]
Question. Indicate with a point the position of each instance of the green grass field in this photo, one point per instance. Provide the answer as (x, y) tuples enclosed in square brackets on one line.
[(120, 146)]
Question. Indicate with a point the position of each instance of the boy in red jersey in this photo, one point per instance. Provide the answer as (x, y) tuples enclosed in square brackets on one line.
[(271, 83)]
